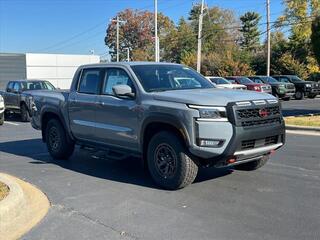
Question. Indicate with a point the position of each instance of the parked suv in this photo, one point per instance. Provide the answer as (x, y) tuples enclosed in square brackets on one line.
[(281, 90), (221, 82), (17, 93), (303, 88), (258, 87), (141, 109)]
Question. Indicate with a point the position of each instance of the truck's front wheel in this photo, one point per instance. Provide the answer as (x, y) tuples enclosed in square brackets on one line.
[(25, 116), (250, 166), (168, 161), (58, 145)]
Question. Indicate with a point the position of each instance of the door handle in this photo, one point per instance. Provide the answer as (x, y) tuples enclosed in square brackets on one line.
[(101, 103)]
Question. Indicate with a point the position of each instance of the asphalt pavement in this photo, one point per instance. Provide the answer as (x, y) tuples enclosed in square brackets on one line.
[(301, 107), (96, 198)]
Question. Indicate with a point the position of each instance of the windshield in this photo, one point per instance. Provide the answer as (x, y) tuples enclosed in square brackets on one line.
[(37, 85), (296, 79), (244, 80), (169, 77), (256, 80), (219, 81), (270, 79)]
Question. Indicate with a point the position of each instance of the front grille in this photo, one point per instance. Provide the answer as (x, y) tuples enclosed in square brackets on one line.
[(266, 88), (252, 143), (289, 86), (254, 112), (248, 144), (316, 86), (260, 122), (271, 140)]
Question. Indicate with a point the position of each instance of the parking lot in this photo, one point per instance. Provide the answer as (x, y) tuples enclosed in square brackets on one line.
[(97, 198), (301, 107)]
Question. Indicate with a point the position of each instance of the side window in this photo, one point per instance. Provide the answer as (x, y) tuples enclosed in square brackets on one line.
[(10, 86), (89, 82), (115, 76), (16, 87)]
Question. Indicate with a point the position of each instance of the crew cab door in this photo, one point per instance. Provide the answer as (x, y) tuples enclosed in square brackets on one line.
[(15, 97), (117, 118), (82, 105), (11, 98), (7, 96)]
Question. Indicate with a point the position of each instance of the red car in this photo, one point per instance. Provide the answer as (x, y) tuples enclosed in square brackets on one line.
[(252, 86)]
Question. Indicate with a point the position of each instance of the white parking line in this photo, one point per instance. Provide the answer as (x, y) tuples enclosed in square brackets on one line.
[(309, 133), (11, 123)]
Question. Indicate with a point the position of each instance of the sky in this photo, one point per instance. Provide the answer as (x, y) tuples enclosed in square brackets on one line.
[(78, 26)]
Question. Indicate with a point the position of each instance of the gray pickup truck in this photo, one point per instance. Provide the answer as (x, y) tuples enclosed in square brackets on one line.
[(168, 114), (17, 94)]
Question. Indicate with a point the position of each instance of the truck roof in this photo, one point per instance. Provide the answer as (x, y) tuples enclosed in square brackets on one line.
[(27, 80), (127, 64)]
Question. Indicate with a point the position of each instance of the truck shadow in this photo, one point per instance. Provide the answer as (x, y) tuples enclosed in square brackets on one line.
[(127, 170)]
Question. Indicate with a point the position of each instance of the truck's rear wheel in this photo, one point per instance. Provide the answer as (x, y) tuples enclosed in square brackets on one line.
[(168, 161), (25, 116), (254, 165), (58, 145)]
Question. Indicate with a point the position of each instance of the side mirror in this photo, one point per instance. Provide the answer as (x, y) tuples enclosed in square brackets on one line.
[(123, 91), (8, 90)]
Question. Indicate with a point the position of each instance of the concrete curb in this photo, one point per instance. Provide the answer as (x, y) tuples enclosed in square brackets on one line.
[(22, 209), (300, 128)]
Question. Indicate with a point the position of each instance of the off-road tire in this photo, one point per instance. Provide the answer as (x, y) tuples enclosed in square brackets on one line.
[(25, 115), (254, 165), (57, 143), (185, 170), (299, 95)]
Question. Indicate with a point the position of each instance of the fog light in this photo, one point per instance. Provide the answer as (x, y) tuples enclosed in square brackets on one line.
[(210, 142)]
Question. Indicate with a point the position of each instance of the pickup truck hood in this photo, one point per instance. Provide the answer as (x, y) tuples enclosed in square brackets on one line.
[(210, 96)]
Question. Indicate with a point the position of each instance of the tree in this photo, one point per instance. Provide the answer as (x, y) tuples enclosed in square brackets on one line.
[(250, 31), (136, 34), (315, 38), (179, 41)]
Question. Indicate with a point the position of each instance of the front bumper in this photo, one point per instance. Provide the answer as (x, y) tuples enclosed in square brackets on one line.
[(241, 142)]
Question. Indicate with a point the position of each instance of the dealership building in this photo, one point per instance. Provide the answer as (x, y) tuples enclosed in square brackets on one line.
[(56, 68)]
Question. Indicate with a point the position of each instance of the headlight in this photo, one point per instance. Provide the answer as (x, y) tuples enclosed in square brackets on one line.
[(1, 98), (281, 86), (257, 88), (308, 85), (208, 113)]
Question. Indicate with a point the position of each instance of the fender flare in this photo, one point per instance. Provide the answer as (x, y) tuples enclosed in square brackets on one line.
[(166, 119)]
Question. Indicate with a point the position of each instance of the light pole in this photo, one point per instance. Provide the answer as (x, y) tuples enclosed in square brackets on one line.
[(268, 38), (200, 38), (156, 39)]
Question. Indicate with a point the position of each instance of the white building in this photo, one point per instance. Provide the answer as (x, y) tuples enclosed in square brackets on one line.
[(56, 68)]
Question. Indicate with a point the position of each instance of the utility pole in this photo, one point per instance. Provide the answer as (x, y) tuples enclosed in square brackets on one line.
[(156, 39), (268, 38), (117, 21), (200, 38)]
